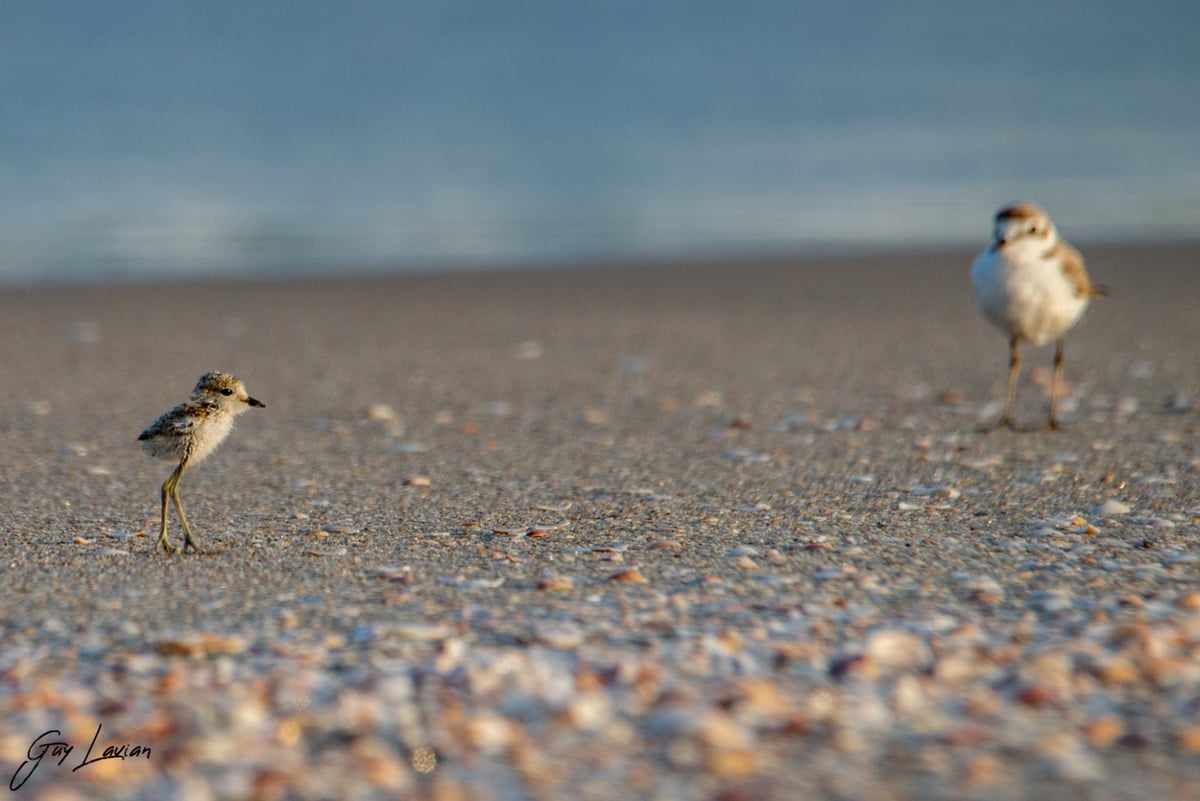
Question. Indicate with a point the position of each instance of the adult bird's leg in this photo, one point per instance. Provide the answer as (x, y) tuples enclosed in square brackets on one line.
[(1056, 382), (1014, 365)]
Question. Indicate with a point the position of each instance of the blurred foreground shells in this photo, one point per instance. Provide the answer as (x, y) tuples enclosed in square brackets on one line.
[(973, 700)]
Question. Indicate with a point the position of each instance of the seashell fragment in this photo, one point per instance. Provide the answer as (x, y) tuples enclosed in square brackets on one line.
[(381, 412), (630, 574), (555, 584)]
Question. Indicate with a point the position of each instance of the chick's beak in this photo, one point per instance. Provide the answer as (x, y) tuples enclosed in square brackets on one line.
[(256, 402)]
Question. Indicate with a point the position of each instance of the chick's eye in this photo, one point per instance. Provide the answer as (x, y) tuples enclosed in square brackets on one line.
[(1033, 229), (227, 392)]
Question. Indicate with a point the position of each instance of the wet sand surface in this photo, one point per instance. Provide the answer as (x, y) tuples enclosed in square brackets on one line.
[(718, 530)]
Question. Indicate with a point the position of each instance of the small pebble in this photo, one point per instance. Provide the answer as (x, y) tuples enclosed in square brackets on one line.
[(590, 712), (1111, 507), (673, 545), (418, 632), (388, 573), (1187, 736), (594, 417), (895, 649), (1190, 600), (1103, 731), (564, 636), (330, 552), (489, 732)]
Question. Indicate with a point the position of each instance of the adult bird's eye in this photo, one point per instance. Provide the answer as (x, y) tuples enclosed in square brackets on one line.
[(227, 392)]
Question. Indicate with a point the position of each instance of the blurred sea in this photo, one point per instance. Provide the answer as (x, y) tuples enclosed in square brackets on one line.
[(164, 139)]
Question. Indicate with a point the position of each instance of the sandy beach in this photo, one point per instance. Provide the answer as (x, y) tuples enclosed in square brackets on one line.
[(717, 530)]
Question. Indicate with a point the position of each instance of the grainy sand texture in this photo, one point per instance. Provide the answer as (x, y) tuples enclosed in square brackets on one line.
[(714, 531)]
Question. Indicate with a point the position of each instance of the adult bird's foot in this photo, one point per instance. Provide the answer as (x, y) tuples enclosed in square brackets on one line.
[(193, 548), (1003, 422)]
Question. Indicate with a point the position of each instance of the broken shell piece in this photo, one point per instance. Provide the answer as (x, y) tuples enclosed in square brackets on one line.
[(382, 412), (629, 574)]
